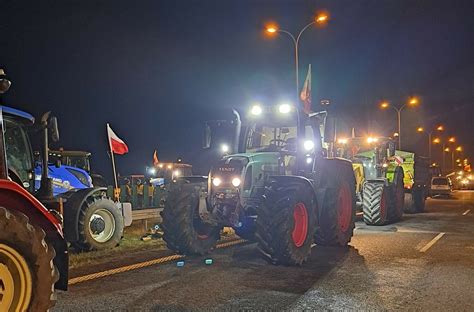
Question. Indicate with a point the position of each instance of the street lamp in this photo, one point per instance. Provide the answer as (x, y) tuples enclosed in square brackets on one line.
[(439, 128), (413, 101), (321, 18)]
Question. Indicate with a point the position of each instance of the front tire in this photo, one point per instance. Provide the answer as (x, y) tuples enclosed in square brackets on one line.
[(286, 221), (375, 202), (100, 224), (27, 273), (183, 229), (337, 216)]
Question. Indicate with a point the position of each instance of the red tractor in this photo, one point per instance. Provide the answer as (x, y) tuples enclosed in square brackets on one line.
[(33, 252)]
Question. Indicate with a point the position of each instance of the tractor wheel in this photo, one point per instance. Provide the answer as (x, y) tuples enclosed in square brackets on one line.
[(27, 273), (415, 201), (398, 198), (286, 221), (337, 215), (375, 203), (183, 229), (100, 224)]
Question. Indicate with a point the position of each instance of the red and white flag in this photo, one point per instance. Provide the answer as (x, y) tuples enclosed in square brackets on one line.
[(117, 145), (305, 94)]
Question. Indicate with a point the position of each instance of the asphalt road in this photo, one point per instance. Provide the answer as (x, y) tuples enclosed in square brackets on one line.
[(425, 262)]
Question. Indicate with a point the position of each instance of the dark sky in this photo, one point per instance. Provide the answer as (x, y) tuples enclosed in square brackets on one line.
[(157, 69)]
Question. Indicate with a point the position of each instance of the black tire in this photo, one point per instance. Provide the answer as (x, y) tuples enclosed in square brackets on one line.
[(338, 211), (397, 197), (415, 201), (29, 241), (286, 220), (375, 202), (419, 199), (108, 218), (183, 230)]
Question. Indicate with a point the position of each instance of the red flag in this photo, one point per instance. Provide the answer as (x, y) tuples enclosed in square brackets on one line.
[(117, 145), (305, 94), (155, 159)]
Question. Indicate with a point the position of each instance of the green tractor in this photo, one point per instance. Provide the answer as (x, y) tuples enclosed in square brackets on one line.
[(277, 185), (379, 180)]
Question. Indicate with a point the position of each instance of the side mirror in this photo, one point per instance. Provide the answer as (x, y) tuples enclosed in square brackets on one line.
[(4, 82), (330, 129), (53, 128), (391, 149), (206, 136)]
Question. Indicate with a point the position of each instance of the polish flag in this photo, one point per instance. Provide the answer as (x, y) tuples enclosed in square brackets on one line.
[(117, 145)]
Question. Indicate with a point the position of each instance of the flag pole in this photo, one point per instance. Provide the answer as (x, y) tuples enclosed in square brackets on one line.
[(116, 188)]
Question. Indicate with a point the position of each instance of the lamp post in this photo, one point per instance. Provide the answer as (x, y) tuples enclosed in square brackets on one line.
[(412, 101), (273, 29), (421, 129)]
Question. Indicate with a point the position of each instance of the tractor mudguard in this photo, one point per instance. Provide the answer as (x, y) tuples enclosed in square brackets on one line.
[(73, 202), (290, 179)]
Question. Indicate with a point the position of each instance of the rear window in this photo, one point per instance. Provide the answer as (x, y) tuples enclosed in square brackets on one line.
[(440, 181)]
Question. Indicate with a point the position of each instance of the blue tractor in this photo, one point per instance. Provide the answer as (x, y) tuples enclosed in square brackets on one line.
[(92, 221)]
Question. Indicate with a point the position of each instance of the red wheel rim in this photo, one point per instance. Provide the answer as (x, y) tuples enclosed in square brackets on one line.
[(300, 229), (344, 207)]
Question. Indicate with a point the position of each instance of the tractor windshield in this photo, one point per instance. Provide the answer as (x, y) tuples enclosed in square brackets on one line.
[(79, 162), (19, 155)]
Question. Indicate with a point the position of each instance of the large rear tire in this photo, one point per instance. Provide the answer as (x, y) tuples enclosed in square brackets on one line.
[(286, 221), (337, 215), (398, 197), (100, 224), (183, 229), (27, 273), (375, 202)]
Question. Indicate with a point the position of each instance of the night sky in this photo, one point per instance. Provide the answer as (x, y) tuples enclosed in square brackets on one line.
[(156, 70)]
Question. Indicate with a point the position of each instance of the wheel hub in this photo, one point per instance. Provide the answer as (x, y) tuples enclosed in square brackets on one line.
[(344, 208), (300, 229), (97, 225), (15, 280), (102, 225)]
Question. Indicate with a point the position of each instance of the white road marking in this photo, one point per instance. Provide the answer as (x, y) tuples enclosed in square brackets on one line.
[(466, 212), (432, 242)]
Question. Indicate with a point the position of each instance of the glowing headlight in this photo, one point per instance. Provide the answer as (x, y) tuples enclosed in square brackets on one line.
[(236, 182), (308, 145), (216, 181), (151, 171), (224, 148), (256, 110), (284, 108), (385, 165), (176, 173), (309, 160)]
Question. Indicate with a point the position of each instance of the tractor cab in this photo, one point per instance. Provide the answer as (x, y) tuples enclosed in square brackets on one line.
[(17, 146)]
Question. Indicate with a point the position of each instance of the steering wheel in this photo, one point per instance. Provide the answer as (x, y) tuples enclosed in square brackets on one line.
[(278, 142)]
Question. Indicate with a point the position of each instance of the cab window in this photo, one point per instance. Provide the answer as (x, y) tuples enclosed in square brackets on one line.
[(19, 158)]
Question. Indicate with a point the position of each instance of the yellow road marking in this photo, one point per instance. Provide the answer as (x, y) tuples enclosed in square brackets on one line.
[(140, 265), (466, 212), (432, 242)]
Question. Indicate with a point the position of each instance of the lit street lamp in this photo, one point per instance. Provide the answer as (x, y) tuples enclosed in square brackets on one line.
[(421, 129), (273, 29), (412, 101)]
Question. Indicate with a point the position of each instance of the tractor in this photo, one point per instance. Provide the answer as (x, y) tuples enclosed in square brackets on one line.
[(33, 251), (78, 159), (379, 179), (278, 187), (92, 221)]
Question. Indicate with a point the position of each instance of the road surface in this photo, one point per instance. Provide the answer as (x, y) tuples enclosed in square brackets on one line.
[(425, 262)]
